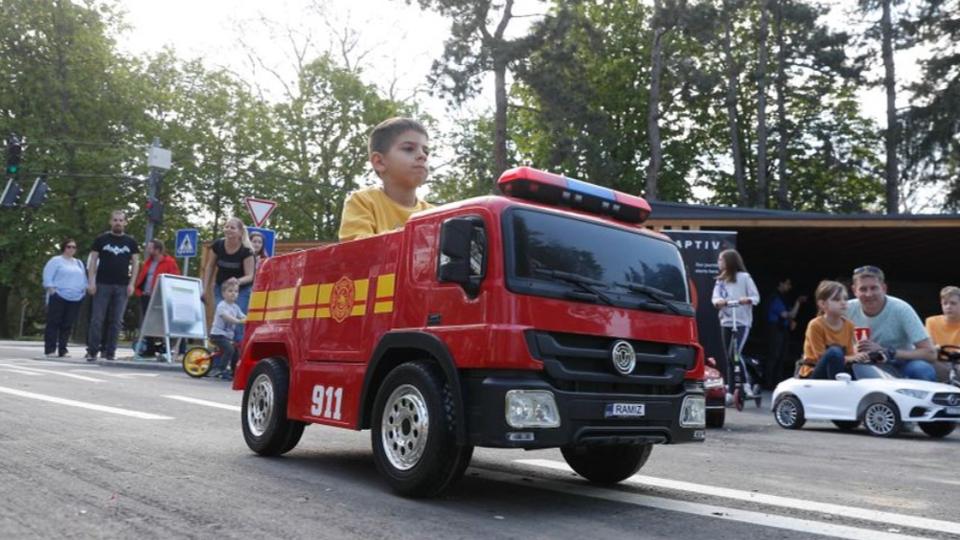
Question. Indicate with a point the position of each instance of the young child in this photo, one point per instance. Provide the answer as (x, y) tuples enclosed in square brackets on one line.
[(945, 329), (828, 345), (225, 320), (398, 152)]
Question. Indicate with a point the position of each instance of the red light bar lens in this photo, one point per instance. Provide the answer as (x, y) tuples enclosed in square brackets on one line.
[(554, 189)]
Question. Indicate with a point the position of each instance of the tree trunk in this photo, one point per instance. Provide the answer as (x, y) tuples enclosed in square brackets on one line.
[(762, 190), (783, 189), (732, 119), (4, 322), (500, 118), (653, 106), (892, 136)]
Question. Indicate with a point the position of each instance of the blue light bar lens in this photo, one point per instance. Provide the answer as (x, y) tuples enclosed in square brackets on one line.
[(591, 189)]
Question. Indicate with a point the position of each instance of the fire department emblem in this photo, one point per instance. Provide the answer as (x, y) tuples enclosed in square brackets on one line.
[(341, 301)]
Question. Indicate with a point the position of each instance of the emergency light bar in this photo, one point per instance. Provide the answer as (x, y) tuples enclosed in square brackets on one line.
[(558, 190)]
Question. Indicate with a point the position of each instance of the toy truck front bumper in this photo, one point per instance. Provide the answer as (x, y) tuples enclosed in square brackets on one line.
[(584, 417)]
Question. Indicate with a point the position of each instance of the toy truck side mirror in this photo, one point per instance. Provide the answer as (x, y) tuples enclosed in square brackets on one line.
[(463, 253)]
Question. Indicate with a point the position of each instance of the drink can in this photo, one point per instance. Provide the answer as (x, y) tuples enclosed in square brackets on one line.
[(861, 333)]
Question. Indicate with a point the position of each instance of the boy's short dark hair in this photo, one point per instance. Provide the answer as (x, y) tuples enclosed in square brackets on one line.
[(386, 132)]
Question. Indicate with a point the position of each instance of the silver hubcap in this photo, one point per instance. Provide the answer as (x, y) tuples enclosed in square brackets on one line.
[(404, 427), (260, 403), (880, 418), (787, 413)]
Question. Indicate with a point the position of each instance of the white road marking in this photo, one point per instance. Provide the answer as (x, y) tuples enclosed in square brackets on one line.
[(706, 510), (114, 375), (54, 372), (878, 516), (195, 401), (84, 405), (21, 371)]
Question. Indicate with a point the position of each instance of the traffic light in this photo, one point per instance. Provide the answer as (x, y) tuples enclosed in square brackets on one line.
[(155, 210), (14, 151), (38, 193), (11, 193)]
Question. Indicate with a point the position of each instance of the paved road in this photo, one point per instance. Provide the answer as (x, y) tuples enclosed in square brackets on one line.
[(107, 452)]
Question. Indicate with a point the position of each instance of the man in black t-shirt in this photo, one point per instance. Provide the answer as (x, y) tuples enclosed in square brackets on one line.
[(113, 259)]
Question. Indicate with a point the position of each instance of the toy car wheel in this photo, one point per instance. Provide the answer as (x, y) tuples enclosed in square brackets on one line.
[(607, 464), (414, 432), (937, 430), (846, 425), (197, 362), (266, 428), (738, 399), (716, 417), (788, 412), (882, 419)]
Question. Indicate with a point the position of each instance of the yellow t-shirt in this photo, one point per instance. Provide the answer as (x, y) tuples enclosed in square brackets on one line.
[(370, 211), (819, 336), (943, 332)]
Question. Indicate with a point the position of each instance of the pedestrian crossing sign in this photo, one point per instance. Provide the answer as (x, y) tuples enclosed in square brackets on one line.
[(186, 242)]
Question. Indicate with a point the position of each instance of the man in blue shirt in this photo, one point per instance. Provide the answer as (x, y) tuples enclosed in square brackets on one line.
[(780, 322)]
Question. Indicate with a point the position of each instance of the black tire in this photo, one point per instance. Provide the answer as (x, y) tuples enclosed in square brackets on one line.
[(846, 425), (716, 417), (607, 464), (937, 430), (415, 399), (758, 401), (738, 398), (266, 428), (882, 419), (788, 412)]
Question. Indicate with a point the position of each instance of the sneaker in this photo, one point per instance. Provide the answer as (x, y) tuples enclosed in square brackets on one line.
[(50, 355), (110, 358), (91, 357), (63, 355), (729, 400)]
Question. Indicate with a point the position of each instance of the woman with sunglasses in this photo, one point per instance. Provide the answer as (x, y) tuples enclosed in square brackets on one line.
[(65, 279)]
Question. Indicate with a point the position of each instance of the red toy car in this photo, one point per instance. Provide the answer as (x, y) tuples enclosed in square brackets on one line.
[(548, 317)]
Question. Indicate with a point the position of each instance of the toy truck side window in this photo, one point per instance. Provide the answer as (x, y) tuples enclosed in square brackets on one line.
[(463, 253)]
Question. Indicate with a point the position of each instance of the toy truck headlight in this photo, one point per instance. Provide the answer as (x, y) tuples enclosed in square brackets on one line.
[(693, 412), (531, 409)]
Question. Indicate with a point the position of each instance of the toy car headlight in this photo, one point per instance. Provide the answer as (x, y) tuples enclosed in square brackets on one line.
[(916, 394)]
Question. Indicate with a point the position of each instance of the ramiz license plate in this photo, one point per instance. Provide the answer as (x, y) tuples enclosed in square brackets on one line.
[(953, 410), (625, 410)]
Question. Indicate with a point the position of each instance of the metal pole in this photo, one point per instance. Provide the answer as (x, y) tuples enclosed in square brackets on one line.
[(152, 185), (186, 266)]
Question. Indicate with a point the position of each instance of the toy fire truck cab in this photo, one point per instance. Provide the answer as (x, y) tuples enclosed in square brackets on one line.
[(543, 318)]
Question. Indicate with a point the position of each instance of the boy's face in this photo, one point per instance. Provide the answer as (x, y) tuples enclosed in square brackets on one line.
[(951, 306), (405, 163), (230, 294)]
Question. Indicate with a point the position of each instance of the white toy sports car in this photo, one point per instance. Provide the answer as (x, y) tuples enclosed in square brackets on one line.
[(873, 396)]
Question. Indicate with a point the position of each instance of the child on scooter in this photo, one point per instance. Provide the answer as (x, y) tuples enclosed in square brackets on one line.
[(828, 345), (225, 320)]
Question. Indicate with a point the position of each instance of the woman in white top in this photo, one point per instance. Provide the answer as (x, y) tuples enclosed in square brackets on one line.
[(734, 293)]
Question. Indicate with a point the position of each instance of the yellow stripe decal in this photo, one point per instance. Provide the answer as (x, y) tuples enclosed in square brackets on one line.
[(323, 293), (281, 298), (305, 313), (383, 307), (258, 300), (323, 313), (360, 288), (385, 285), (308, 295), (255, 316), (359, 310), (278, 315)]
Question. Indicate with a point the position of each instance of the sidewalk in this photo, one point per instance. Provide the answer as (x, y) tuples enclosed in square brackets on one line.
[(125, 358)]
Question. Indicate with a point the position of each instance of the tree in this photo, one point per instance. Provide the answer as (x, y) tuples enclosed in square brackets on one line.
[(665, 18), (733, 90), (763, 193)]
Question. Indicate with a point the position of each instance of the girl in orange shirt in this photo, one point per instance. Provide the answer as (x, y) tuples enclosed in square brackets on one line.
[(828, 345)]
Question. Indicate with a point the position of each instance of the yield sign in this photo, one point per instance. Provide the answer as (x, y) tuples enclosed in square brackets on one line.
[(260, 210)]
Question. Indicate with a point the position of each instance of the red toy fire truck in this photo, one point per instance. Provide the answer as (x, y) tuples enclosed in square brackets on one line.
[(547, 317)]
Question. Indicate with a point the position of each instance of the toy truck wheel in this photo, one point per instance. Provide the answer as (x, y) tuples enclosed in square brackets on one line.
[(788, 411), (882, 419), (716, 417), (607, 464), (266, 428), (414, 432), (937, 430)]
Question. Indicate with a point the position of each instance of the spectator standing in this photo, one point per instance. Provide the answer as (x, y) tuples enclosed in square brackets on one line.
[(734, 286), (65, 280), (156, 261), (259, 256), (895, 328), (114, 257), (780, 322), (231, 257)]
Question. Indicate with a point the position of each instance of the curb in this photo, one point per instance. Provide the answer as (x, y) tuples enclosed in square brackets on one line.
[(126, 363)]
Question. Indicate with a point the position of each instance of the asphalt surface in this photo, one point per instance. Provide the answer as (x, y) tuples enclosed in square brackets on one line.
[(103, 451)]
